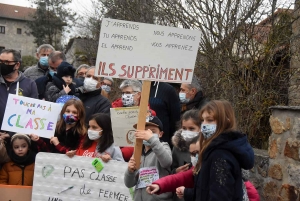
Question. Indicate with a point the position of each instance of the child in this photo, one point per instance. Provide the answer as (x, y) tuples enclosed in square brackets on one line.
[(19, 171), (156, 158), (69, 131), (223, 152), (189, 129), (61, 82), (99, 140)]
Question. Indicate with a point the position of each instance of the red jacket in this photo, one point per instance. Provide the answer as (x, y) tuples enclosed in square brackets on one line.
[(171, 182), (118, 103)]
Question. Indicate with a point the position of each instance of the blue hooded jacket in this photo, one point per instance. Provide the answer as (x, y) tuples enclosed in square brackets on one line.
[(220, 176), (27, 87)]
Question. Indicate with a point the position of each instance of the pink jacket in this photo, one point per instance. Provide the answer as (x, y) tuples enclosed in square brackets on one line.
[(252, 192), (171, 182)]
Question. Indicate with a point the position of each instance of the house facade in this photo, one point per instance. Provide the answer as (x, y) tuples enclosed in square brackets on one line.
[(14, 32)]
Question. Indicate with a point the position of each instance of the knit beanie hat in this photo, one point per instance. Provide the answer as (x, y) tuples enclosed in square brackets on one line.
[(21, 136), (65, 69)]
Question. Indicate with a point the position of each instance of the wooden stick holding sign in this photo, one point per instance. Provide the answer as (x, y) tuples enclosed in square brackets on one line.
[(141, 121)]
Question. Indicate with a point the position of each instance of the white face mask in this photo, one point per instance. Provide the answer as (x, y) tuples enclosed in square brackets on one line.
[(182, 98), (194, 160), (127, 100), (186, 134), (208, 130), (90, 84), (94, 135)]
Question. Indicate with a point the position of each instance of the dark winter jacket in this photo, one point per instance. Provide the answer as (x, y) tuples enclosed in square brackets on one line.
[(196, 103), (94, 102), (55, 89), (41, 84), (220, 177), (165, 102), (27, 88)]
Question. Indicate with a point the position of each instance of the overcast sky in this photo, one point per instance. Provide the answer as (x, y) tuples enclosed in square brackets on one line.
[(77, 5)]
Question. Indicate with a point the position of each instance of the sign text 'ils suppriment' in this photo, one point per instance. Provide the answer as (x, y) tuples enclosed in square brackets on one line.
[(29, 115), (131, 50)]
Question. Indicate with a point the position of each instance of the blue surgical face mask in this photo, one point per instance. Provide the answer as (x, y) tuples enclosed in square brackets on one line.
[(147, 143), (44, 61), (182, 98), (106, 88), (52, 72), (208, 130)]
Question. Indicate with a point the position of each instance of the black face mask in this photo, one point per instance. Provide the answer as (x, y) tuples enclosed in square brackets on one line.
[(6, 69)]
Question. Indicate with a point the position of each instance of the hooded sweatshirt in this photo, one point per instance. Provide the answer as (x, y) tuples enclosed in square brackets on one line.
[(220, 176), (27, 88), (159, 156)]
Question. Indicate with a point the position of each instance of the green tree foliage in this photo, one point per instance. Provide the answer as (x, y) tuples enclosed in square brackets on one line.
[(28, 61), (49, 21)]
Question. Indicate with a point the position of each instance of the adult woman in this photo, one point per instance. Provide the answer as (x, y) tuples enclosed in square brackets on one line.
[(223, 152)]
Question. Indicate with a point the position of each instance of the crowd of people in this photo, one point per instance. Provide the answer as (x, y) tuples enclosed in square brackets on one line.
[(193, 143)]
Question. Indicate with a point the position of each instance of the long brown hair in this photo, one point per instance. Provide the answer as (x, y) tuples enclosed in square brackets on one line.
[(107, 138), (223, 113), (80, 126)]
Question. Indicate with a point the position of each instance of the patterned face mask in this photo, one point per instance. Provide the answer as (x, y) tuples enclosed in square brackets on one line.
[(70, 119), (127, 100), (208, 130)]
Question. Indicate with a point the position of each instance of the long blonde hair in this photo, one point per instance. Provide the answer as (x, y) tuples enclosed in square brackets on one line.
[(223, 113)]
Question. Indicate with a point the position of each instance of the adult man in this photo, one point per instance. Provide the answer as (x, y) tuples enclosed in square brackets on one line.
[(55, 58), (41, 68), (165, 102), (10, 61), (90, 95), (191, 96)]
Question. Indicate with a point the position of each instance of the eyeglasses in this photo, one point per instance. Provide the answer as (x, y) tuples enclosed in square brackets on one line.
[(7, 62)]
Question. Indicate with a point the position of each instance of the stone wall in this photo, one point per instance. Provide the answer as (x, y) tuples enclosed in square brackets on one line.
[(23, 42), (276, 173), (293, 94)]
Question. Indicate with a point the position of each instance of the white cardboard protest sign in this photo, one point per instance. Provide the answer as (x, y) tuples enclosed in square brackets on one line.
[(123, 119), (132, 50), (29, 115), (58, 177)]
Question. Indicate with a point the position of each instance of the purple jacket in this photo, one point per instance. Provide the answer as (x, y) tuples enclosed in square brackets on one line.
[(27, 87)]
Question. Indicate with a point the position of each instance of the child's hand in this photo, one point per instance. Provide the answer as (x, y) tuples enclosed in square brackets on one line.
[(180, 191), (143, 134), (183, 168), (105, 157), (131, 165), (34, 137), (4, 135), (71, 153), (66, 89), (152, 189), (54, 140)]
